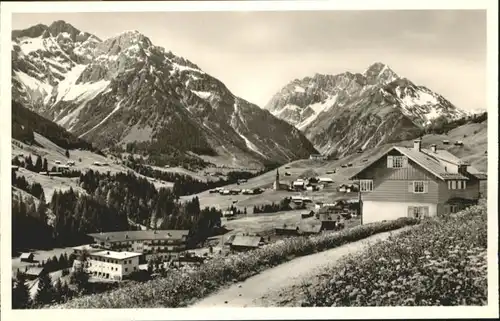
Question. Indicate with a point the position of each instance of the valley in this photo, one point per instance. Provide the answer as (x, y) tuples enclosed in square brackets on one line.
[(165, 189)]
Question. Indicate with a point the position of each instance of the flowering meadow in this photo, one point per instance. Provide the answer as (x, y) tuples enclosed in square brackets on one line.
[(438, 263), (180, 288)]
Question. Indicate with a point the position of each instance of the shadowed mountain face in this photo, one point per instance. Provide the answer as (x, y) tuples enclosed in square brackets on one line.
[(346, 112), (125, 90)]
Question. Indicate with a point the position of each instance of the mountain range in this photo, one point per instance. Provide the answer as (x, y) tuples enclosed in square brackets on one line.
[(347, 112), (125, 93)]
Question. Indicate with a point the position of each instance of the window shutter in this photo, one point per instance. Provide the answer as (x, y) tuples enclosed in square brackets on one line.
[(410, 211), (465, 184), (449, 184), (405, 162), (426, 211), (426, 187), (410, 187)]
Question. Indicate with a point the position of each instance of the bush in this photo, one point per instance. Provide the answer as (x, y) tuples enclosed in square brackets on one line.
[(441, 262), (178, 287)]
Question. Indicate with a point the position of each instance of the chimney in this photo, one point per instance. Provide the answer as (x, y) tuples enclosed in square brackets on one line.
[(462, 167), (434, 148), (417, 144)]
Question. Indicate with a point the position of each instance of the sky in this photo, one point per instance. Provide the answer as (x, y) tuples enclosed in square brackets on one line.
[(257, 53)]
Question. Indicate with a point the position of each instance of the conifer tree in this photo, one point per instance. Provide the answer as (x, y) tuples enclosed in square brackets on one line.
[(45, 292), (20, 294)]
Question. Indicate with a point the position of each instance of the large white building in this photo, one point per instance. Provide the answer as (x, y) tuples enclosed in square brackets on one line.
[(166, 244), (111, 265)]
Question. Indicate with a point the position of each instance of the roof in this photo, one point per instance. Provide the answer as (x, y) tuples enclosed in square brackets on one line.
[(140, 235), (34, 270), (85, 247), (426, 159), (474, 172), (310, 228), (26, 255), (116, 255), (243, 240)]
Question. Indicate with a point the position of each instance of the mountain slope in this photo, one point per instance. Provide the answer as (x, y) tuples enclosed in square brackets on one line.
[(26, 122), (125, 90), (346, 112)]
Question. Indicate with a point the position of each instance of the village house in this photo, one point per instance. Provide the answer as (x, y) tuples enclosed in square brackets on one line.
[(166, 244), (289, 230), (87, 248), (299, 184), (33, 273), (416, 182), (110, 265), (27, 257), (246, 242), (228, 213), (317, 157), (307, 214), (62, 168), (325, 180)]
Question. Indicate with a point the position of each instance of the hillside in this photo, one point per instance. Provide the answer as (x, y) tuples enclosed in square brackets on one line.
[(474, 137), (127, 94), (342, 113), (84, 161), (26, 122)]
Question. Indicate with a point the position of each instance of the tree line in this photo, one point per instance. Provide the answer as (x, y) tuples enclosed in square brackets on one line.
[(34, 189), (188, 185), (41, 165), (442, 125), (283, 205), (25, 122)]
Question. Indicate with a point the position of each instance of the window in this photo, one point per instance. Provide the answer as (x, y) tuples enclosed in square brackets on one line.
[(126, 269), (366, 185), (418, 187), (457, 184), (397, 161)]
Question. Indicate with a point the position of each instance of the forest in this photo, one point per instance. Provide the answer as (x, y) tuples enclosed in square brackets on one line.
[(25, 123), (187, 185), (112, 203), (442, 125)]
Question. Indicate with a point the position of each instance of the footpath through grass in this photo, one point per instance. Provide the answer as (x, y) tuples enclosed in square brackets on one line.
[(438, 263), (180, 288)]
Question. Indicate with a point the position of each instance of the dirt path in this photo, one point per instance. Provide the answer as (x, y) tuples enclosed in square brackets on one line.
[(266, 288)]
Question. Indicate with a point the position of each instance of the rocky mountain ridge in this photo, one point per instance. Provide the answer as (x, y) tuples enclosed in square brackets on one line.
[(126, 93), (346, 112)]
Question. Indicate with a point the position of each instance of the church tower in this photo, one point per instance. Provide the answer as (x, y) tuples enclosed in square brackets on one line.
[(276, 185)]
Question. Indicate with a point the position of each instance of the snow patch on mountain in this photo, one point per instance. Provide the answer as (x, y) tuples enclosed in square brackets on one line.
[(318, 108), (202, 94), (182, 68), (35, 87), (299, 89), (248, 143), (69, 90)]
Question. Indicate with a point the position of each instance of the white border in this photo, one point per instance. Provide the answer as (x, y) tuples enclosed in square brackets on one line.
[(7, 8)]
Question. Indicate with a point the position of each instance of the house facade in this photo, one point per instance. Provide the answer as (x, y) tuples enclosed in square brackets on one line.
[(317, 157), (111, 265), (416, 182), (166, 244)]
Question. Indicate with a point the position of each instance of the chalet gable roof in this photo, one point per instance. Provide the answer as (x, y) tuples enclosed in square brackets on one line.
[(428, 160)]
